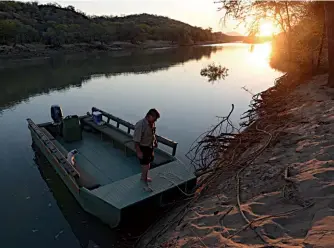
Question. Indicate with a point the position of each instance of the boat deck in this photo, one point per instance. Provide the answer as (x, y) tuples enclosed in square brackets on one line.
[(163, 177), (101, 160), (119, 175)]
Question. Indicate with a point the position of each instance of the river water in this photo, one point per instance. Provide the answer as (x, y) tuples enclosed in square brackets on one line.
[(36, 209)]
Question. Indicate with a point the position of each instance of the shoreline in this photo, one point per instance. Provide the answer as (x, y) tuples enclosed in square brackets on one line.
[(37, 50), (20, 55), (278, 191), (35, 54)]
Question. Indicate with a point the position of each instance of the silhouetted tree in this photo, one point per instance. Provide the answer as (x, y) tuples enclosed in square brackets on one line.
[(329, 12)]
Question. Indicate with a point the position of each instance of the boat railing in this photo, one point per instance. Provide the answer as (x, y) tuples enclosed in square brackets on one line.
[(54, 151), (130, 127)]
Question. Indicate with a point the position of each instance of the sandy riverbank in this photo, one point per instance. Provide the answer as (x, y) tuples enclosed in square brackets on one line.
[(286, 194)]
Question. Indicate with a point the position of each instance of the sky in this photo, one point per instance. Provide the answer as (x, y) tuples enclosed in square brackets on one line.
[(201, 13)]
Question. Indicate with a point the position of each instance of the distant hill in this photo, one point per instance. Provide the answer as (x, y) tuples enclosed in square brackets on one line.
[(53, 25)]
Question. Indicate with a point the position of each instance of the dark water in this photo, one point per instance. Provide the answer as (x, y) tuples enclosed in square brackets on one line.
[(36, 209)]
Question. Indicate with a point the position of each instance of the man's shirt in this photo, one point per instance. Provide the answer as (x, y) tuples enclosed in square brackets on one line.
[(144, 133)]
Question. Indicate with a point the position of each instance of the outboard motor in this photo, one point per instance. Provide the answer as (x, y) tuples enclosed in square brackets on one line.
[(56, 114)]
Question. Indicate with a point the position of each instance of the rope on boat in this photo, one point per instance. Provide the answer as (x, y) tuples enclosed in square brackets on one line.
[(174, 183), (170, 180)]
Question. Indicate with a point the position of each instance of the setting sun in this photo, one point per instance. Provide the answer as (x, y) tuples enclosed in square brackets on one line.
[(266, 29)]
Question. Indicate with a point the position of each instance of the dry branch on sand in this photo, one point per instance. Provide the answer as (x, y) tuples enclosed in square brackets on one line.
[(224, 144)]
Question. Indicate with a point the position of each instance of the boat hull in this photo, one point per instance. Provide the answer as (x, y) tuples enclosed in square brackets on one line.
[(90, 203)]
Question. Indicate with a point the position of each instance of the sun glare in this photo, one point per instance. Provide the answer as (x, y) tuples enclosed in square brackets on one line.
[(266, 29), (259, 54)]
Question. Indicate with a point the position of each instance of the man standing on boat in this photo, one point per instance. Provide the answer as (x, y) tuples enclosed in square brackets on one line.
[(145, 141)]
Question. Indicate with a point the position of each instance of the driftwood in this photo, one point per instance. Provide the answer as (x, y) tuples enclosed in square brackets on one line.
[(225, 142)]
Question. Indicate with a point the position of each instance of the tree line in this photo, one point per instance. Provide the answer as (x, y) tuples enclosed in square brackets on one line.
[(54, 25)]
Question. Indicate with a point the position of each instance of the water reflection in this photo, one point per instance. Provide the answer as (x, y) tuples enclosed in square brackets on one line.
[(187, 102), (260, 55), (61, 73)]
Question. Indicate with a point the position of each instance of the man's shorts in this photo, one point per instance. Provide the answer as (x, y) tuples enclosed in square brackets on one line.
[(148, 155)]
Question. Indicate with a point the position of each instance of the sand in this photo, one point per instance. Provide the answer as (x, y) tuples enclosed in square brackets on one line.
[(287, 193)]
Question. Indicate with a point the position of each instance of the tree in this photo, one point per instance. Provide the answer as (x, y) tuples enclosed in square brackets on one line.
[(329, 13), (53, 37), (70, 7), (284, 14), (25, 34), (7, 31)]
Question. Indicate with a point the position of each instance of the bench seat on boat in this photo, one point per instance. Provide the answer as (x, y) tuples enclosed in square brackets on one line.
[(125, 139), (109, 130)]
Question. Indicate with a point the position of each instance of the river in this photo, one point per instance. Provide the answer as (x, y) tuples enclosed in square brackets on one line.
[(36, 210)]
